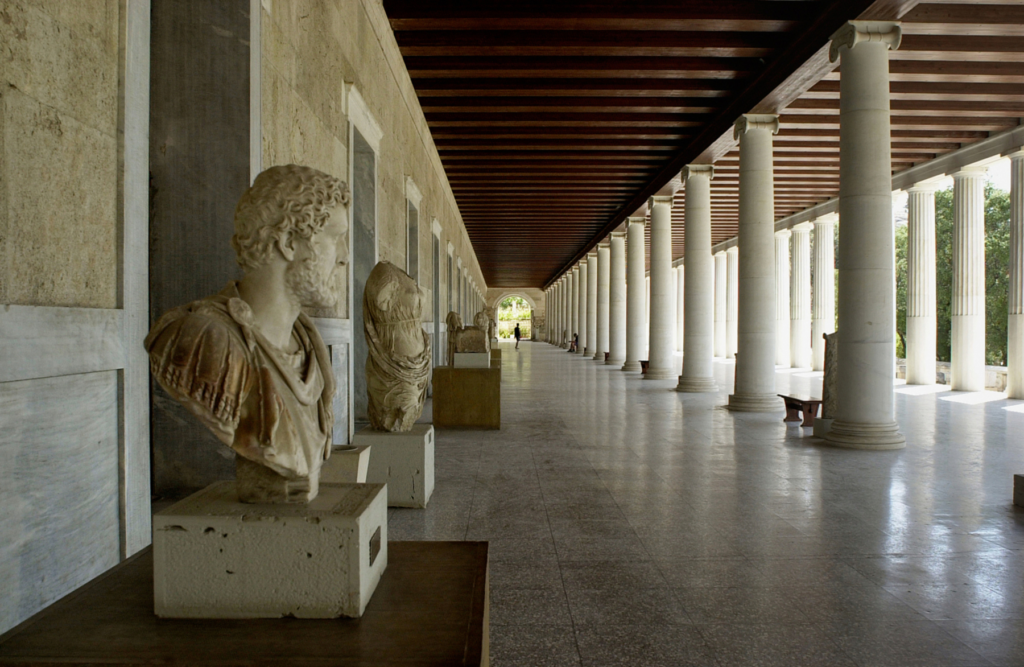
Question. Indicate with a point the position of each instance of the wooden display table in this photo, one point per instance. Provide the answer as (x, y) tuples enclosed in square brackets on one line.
[(797, 404), (430, 608), (467, 397)]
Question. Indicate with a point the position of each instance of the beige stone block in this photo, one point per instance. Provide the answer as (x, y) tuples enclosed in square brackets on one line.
[(404, 461), (61, 229), (348, 465), (467, 397), (214, 557), (65, 55)]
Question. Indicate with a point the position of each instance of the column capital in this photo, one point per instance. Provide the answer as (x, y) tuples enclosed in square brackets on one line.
[(827, 219), (971, 171), (618, 235), (663, 200), (583, 262), (592, 255), (720, 252), (733, 250), (856, 32), (694, 170), (637, 221), (576, 268), (783, 234), (803, 228), (755, 121), (925, 187), (604, 245), (1015, 154)]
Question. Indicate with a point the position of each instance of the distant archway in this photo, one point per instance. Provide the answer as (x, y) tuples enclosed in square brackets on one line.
[(514, 309)]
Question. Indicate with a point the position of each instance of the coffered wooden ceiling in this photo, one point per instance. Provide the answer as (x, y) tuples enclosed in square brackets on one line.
[(554, 121)]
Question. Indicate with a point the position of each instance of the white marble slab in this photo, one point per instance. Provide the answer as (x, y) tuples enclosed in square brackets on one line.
[(39, 342)]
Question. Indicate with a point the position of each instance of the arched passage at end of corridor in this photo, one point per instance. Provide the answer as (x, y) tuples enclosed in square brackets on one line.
[(512, 308)]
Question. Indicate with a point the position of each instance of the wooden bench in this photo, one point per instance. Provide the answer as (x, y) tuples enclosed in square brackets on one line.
[(797, 404)]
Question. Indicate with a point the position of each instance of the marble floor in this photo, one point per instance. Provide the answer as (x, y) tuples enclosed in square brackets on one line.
[(632, 525)]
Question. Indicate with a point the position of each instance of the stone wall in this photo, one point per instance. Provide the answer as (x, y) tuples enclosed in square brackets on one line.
[(313, 53), (58, 153)]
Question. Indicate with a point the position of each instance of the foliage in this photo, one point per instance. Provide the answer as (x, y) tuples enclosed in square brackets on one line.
[(513, 308), (506, 329), (997, 263)]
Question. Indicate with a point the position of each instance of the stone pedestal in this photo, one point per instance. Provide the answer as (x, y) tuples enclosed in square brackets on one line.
[(472, 360), (215, 557), (348, 465), (403, 461), (467, 397)]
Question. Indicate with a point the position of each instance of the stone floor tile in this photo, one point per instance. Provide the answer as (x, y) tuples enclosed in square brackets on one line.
[(529, 606), (643, 646), (626, 606), (611, 575), (1001, 641), (773, 645), (885, 643), (540, 645), (739, 605)]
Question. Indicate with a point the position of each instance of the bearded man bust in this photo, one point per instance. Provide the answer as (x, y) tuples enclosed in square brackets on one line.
[(246, 361)]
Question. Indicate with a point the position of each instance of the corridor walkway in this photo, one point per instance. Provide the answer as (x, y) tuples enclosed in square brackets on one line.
[(632, 525)]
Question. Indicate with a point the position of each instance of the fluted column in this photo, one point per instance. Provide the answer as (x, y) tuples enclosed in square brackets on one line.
[(1015, 325), (556, 314), (823, 280), (591, 303), (755, 364), (661, 364), (865, 416), (699, 284), (922, 319), (574, 327), (968, 311), (567, 309), (782, 298), (675, 301), (732, 300), (603, 299), (617, 301), (584, 292), (680, 306), (562, 284), (721, 303), (800, 298), (635, 287)]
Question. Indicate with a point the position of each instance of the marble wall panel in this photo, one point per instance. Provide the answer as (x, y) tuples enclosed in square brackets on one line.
[(59, 526)]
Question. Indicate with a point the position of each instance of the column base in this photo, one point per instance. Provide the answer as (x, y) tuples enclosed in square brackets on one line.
[(696, 385), (598, 356), (631, 366), (754, 403), (615, 362), (660, 374), (866, 436)]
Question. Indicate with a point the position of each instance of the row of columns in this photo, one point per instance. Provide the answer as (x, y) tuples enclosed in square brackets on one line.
[(761, 303)]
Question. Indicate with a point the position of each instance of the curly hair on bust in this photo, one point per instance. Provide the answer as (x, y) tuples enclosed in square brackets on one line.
[(283, 198)]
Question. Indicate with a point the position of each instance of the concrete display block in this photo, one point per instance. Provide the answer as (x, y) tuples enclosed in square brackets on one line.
[(348, 465), (215, 557), (472, 360), (403, 461), (1018, 490), (467, 397)]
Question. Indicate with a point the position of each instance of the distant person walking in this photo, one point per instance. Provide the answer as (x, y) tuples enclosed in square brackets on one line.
[(518, 335)]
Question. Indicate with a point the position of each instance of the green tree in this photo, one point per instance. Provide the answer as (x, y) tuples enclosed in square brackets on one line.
[(901, 291), (997, 263)]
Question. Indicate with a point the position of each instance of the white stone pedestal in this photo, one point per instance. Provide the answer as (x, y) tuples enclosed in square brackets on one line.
[(348, 465), (403, 461), (472, 360), (215, 557)]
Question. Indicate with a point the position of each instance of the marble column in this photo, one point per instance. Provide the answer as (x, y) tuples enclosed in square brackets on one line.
[(675, 301), (635, 286), (698, 300), (584, 298), (800, 297), (721, 303), (922, 321), (823, 282), (603, 299), (680, 305), (967, 351), (647, 317), (574, 327), (561, 312), (865, 417), (1015, 325), (661, 364), (782, 298), (567, 310), (617, 301), (755, 364), (591, 303), (732, 257)]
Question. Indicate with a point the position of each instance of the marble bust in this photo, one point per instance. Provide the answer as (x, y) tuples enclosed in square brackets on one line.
[(398, 363), (246, 361)]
